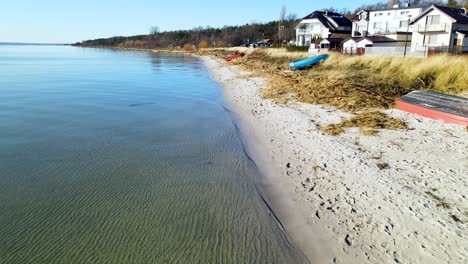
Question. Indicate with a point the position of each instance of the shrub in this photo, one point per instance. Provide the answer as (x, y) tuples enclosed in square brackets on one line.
[(203, 44), (188, 47)]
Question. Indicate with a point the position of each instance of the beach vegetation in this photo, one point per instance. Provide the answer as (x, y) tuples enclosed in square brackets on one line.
[(188, 47), (203, 44), (356, 84)]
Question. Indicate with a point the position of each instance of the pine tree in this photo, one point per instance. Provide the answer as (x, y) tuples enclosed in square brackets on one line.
[(452, 3)]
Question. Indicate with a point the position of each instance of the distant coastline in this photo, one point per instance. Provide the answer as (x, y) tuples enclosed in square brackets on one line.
[(34, 44)]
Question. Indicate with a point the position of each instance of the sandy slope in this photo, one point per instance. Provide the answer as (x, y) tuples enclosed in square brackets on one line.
[(332, 197)]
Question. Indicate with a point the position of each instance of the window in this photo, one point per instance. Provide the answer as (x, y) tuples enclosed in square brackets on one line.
[(389, 13), (378, 14), (433, 20), (404, 12), (403, 23), (377, 25)]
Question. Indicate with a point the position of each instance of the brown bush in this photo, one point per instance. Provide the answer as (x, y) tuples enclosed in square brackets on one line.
[(188, 47), (203, 44)]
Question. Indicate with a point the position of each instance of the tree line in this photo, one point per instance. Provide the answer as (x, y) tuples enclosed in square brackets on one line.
[(281, 31), (205, 36)]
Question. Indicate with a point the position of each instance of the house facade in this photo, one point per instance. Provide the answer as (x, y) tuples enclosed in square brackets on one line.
[(441, 27), (392, 22), (321, 25)]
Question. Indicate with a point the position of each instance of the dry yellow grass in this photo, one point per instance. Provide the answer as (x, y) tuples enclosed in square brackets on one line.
[(353, 84)]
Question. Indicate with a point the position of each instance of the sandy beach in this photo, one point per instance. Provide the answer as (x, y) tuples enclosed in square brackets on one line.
[(398, 197)]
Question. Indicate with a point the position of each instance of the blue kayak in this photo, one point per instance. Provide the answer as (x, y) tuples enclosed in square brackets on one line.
[(300, 64)]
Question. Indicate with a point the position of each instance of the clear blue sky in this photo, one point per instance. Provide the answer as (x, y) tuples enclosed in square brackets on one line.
[(67, 21)]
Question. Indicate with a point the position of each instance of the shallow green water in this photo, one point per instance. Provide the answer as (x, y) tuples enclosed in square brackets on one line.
[(124, 157)]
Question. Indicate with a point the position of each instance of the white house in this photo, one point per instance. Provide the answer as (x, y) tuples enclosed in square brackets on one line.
[(441, 28), (321, 25), (392, 22)]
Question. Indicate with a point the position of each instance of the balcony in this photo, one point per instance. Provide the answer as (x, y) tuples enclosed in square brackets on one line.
[(432, 28)]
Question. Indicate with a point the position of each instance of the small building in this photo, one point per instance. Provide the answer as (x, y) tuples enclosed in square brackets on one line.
[(350, 45), (321, 25), (440, 28), (359, 45), (331, 43)]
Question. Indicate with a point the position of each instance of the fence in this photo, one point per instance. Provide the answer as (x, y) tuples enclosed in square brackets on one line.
[(447, 49), (398, 51), (420, 51), (354, 51)]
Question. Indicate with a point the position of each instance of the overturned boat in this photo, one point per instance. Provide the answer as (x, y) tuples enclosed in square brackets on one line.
[(307, 62)]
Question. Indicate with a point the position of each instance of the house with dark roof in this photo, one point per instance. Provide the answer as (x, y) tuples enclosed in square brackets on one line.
[(321, 25), (441, 27)]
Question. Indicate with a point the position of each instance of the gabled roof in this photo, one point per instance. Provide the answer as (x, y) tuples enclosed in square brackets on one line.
[(356, 16), (355, 39), (373, 39), (457, 14), (378, 39), (329, 18), (333, 40)]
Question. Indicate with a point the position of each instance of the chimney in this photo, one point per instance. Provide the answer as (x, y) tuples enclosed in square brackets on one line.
[(396, 6)]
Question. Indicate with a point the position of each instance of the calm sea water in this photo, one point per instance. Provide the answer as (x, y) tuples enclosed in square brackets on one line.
[(124, 157)]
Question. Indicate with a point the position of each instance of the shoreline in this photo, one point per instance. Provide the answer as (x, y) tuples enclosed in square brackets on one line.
[(329, 192), (285, 205)]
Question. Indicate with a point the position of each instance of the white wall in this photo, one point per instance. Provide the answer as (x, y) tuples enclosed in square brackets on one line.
[(389, 21), (349, 44), (399, 51), (360, 25), (312, 27), (363, 43)]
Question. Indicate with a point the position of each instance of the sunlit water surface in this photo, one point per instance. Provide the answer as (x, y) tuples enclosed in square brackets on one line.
[(113, 156)]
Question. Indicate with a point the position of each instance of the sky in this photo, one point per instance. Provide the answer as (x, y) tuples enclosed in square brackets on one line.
[(70, 21)]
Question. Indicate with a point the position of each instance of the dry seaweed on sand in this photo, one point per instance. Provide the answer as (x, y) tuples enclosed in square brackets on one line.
[(370, 120)]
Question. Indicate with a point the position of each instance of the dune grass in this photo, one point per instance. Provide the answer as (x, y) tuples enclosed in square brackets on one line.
[(353, 83)]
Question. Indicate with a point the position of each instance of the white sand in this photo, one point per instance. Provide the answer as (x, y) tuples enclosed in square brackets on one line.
[(331, 197)]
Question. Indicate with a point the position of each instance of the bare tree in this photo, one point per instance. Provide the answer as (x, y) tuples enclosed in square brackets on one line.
[(154, 30), (280, 23)]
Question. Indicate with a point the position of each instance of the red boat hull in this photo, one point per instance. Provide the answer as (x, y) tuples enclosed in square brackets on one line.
[(431, 113), (235, 56)]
